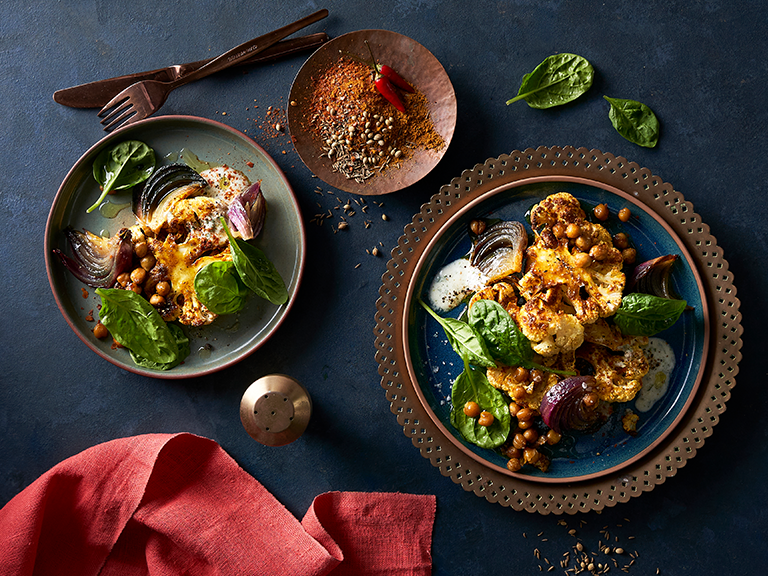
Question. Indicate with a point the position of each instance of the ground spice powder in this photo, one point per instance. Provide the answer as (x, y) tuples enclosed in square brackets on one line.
[(360, 130)]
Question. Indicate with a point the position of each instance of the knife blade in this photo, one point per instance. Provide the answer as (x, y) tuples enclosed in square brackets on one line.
[(96, 94)]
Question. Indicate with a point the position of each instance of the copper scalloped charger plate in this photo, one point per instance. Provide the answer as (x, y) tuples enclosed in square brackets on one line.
[(587, 471), (417, 65), (230, 338)]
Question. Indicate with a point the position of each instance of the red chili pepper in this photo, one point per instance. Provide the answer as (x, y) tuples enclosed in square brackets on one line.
[(385, 81), (395, 78), (386, 89)]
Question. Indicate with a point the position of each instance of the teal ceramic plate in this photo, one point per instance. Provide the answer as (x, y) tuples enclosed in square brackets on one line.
[(433, 364), (230, 338)]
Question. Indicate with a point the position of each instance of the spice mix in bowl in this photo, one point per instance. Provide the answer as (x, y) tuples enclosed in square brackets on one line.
[(372, 112)]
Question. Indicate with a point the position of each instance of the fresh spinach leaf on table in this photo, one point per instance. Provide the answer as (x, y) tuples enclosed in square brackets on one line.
[(122, 166), (472, 386), (646, 314), (219, 287), (634, 121), (256, 270), (464, 339), (134, 323), (559, 79)]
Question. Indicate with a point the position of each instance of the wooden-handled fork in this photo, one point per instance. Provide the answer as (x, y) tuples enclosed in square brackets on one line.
[(144, 98)]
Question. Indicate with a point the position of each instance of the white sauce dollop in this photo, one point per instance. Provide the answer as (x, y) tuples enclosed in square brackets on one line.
[(661, 359), (453, 283)]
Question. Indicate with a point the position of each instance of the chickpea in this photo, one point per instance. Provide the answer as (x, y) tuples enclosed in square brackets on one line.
[(625, 214), (583, 243), (512, 452), (138, 275), (582, 260), (524, 414), (531, 455), (521, 374), (559, 230), (621, 241), (519, 393), (537, 376), (148, 262), (600, 251), (629, 255), (477, 227), (163, 288), (472, 409), (573, 231), (601, 212), (552, 437), (140, 249), (123, 279), (156, 300), (590, 399), (518, 441), (524, 424), (485, 419), (514, 408), (135, 287), (100, 331), (531, 435), (514, 464)]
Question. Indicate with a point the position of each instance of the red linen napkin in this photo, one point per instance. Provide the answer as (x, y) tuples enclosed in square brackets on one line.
[(163, 504)]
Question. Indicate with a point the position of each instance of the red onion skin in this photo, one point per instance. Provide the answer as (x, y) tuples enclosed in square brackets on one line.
[(652, 277), (92, 269), (247, 212), (563, 408)]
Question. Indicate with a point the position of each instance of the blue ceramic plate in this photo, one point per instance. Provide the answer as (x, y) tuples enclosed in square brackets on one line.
[(578, 456), (230, 338)]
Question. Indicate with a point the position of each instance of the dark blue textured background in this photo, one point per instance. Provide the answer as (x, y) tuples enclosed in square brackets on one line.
[(702, 67)]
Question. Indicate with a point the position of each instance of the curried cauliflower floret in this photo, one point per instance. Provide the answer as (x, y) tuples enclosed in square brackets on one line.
[(550, 329), (502, 292), (594, 290)]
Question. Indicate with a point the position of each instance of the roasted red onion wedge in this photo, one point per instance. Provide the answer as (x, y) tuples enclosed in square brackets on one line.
[(247, 212), (499, 250), (571, 404), (165, 180), (653, 277), (97, 261)]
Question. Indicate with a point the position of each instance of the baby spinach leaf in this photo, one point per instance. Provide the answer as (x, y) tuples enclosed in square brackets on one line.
[(472, 385), (182, 341), (135, 324), (256, 270), (464, 339), (219, 288), (122, 166), (646, 315), (634, 121), (505, 340), (559, 79)]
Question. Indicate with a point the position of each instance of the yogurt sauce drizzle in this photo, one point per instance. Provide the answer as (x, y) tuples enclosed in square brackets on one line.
[(661, 358), (452, 283)]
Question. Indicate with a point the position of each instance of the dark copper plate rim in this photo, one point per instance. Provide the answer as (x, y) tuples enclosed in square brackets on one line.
[(722, 362), (434, 242)]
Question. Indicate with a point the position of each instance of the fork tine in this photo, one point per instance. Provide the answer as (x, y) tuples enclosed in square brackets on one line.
[(120, 99), (110, 112), (128, 116)]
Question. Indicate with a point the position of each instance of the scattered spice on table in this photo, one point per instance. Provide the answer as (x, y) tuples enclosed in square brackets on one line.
[(583, 556), (360, 130)]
